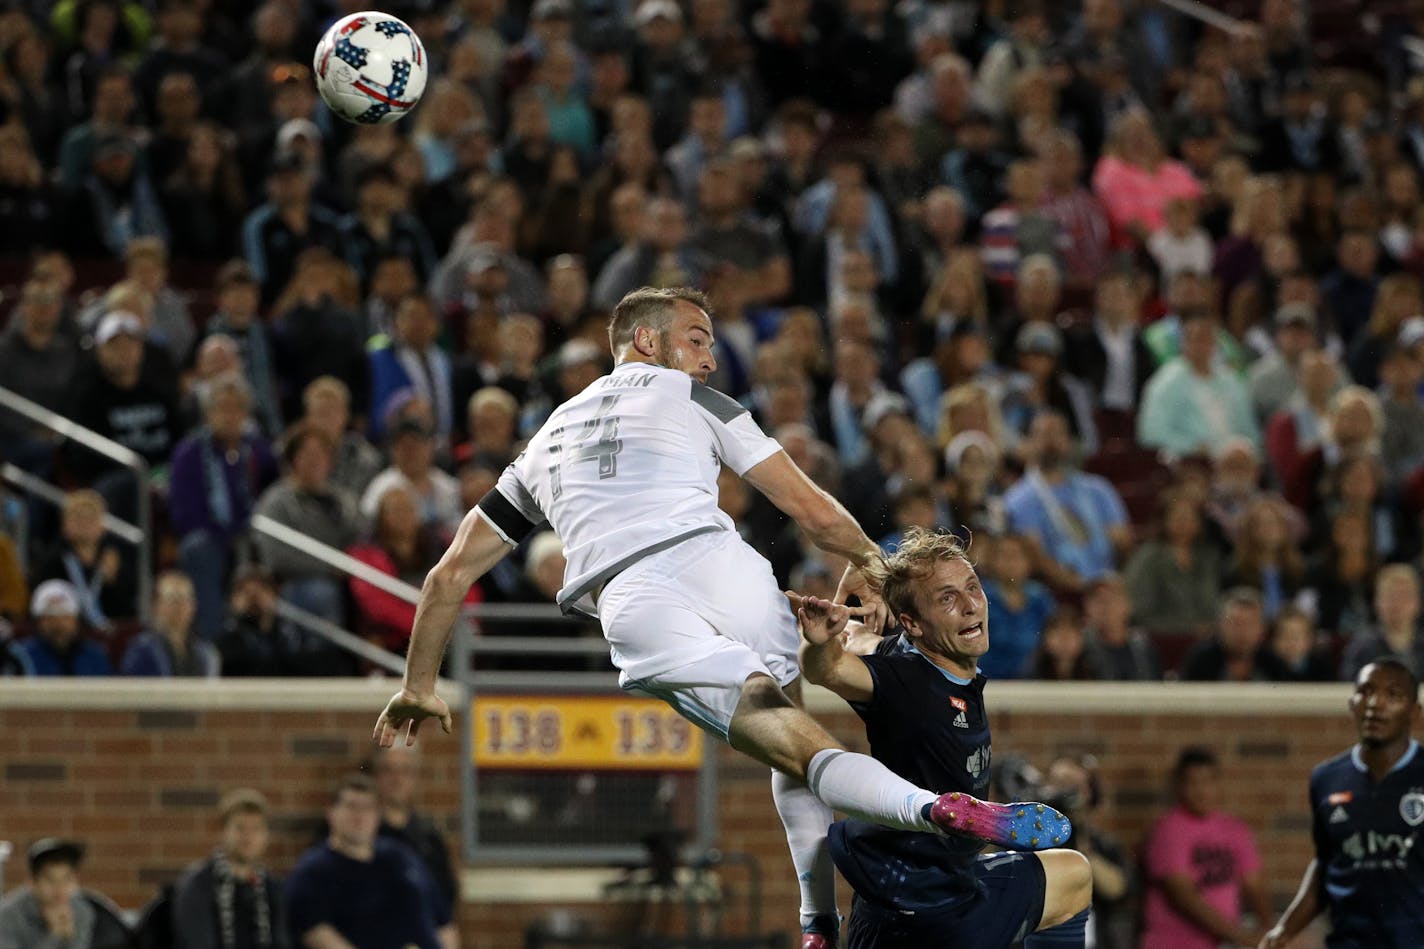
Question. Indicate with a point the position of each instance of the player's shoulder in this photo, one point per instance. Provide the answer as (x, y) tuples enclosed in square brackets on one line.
[(1334, 767), (719, 405)]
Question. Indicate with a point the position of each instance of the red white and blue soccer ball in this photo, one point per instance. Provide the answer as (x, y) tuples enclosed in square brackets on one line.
[(370, 68)]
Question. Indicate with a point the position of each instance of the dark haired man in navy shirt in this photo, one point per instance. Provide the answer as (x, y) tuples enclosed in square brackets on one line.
[(1367, 805), (922, 699), (359, 891)]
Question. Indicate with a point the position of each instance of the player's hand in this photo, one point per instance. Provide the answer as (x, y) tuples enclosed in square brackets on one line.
[(1275, 938), (819, 620), (872, 610), (858, 640), (407, 706)]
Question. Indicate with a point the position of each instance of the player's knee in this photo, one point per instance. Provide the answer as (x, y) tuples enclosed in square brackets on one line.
[(1072, 875)]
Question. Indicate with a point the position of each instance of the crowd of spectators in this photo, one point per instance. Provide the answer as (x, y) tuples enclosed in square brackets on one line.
[(379, 873), (1134, 302)]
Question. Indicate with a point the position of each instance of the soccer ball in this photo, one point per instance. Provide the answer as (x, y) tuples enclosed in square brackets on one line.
[(370, 68)]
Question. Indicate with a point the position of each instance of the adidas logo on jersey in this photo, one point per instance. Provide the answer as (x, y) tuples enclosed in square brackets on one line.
[(1338, 816), (960, 721)]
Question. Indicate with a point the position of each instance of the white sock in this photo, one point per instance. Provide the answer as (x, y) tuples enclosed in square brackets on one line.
[(806, 819), (863, 787)]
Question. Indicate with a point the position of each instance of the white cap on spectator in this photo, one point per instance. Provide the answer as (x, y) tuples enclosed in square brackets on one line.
[(881, 406), (54, 598), (117, 323), (577, 351), (293, 129), (653, 9), (1411, 334), (961, 443)]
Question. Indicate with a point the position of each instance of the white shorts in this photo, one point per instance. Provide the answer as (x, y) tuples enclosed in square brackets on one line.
[(689, 624)]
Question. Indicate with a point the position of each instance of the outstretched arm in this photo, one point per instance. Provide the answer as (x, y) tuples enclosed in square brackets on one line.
[(1304, 908), (477, 547), (825, 520), (824, 659)]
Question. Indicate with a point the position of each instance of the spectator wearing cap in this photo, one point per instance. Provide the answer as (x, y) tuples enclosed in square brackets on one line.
[(38, 361), (57, 647), (117, 399), (663, 66), (113, 108), (1077, 519), (326, 407), (171, 647), (113, 203), (1303, 138), (663, 257), (1273, 378), (380, 226), (1193, 402), (1402, 444), (54, 910), (218, 472), (254, 641), (277, 231), (412, 450), (102, 569), (237, 317), (972, 490), (413, 359), (1039, 384), (1109, 354), (230, 899)]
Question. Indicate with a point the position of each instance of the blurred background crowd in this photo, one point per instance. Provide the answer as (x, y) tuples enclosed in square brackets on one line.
[(1134, 301)]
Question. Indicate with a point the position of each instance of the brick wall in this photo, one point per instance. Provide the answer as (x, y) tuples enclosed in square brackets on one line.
[(135, 770)]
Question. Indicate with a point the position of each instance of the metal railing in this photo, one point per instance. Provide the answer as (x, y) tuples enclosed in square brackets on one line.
[(1204, 13), (121, 454)]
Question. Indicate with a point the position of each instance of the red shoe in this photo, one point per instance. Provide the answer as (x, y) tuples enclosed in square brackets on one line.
[(1026, 826), (817, 941)]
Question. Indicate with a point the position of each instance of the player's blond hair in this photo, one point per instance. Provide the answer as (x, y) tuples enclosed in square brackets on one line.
[(920, 551)]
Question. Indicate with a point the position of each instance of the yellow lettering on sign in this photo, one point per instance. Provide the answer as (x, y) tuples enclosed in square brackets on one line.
[(583, 731)]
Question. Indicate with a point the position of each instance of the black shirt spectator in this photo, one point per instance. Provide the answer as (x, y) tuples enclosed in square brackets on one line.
[(275, 234)]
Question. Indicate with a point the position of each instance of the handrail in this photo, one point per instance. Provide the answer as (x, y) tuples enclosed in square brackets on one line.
[(337, 559), (112, 450), (1204, 13), (346, 639), (45, 491)]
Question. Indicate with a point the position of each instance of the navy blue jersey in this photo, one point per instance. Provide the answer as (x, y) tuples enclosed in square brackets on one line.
[(930, 728), (1367, 842)]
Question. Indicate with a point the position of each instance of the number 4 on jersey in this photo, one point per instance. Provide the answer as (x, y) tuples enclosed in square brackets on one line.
[(605, 450)]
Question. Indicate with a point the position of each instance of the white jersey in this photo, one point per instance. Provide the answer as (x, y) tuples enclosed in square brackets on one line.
[(626, 468)]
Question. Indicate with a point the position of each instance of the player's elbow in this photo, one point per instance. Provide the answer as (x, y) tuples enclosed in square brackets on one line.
[(447, 582)]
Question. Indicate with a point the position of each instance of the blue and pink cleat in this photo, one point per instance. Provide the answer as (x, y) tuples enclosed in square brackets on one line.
[(1026, 826)]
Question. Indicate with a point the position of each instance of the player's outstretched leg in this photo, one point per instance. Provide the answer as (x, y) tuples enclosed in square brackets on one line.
[(1025, 826), (768, 727)]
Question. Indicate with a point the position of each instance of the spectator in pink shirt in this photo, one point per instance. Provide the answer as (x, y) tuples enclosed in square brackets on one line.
[(1201, 865), (1135, 179)]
